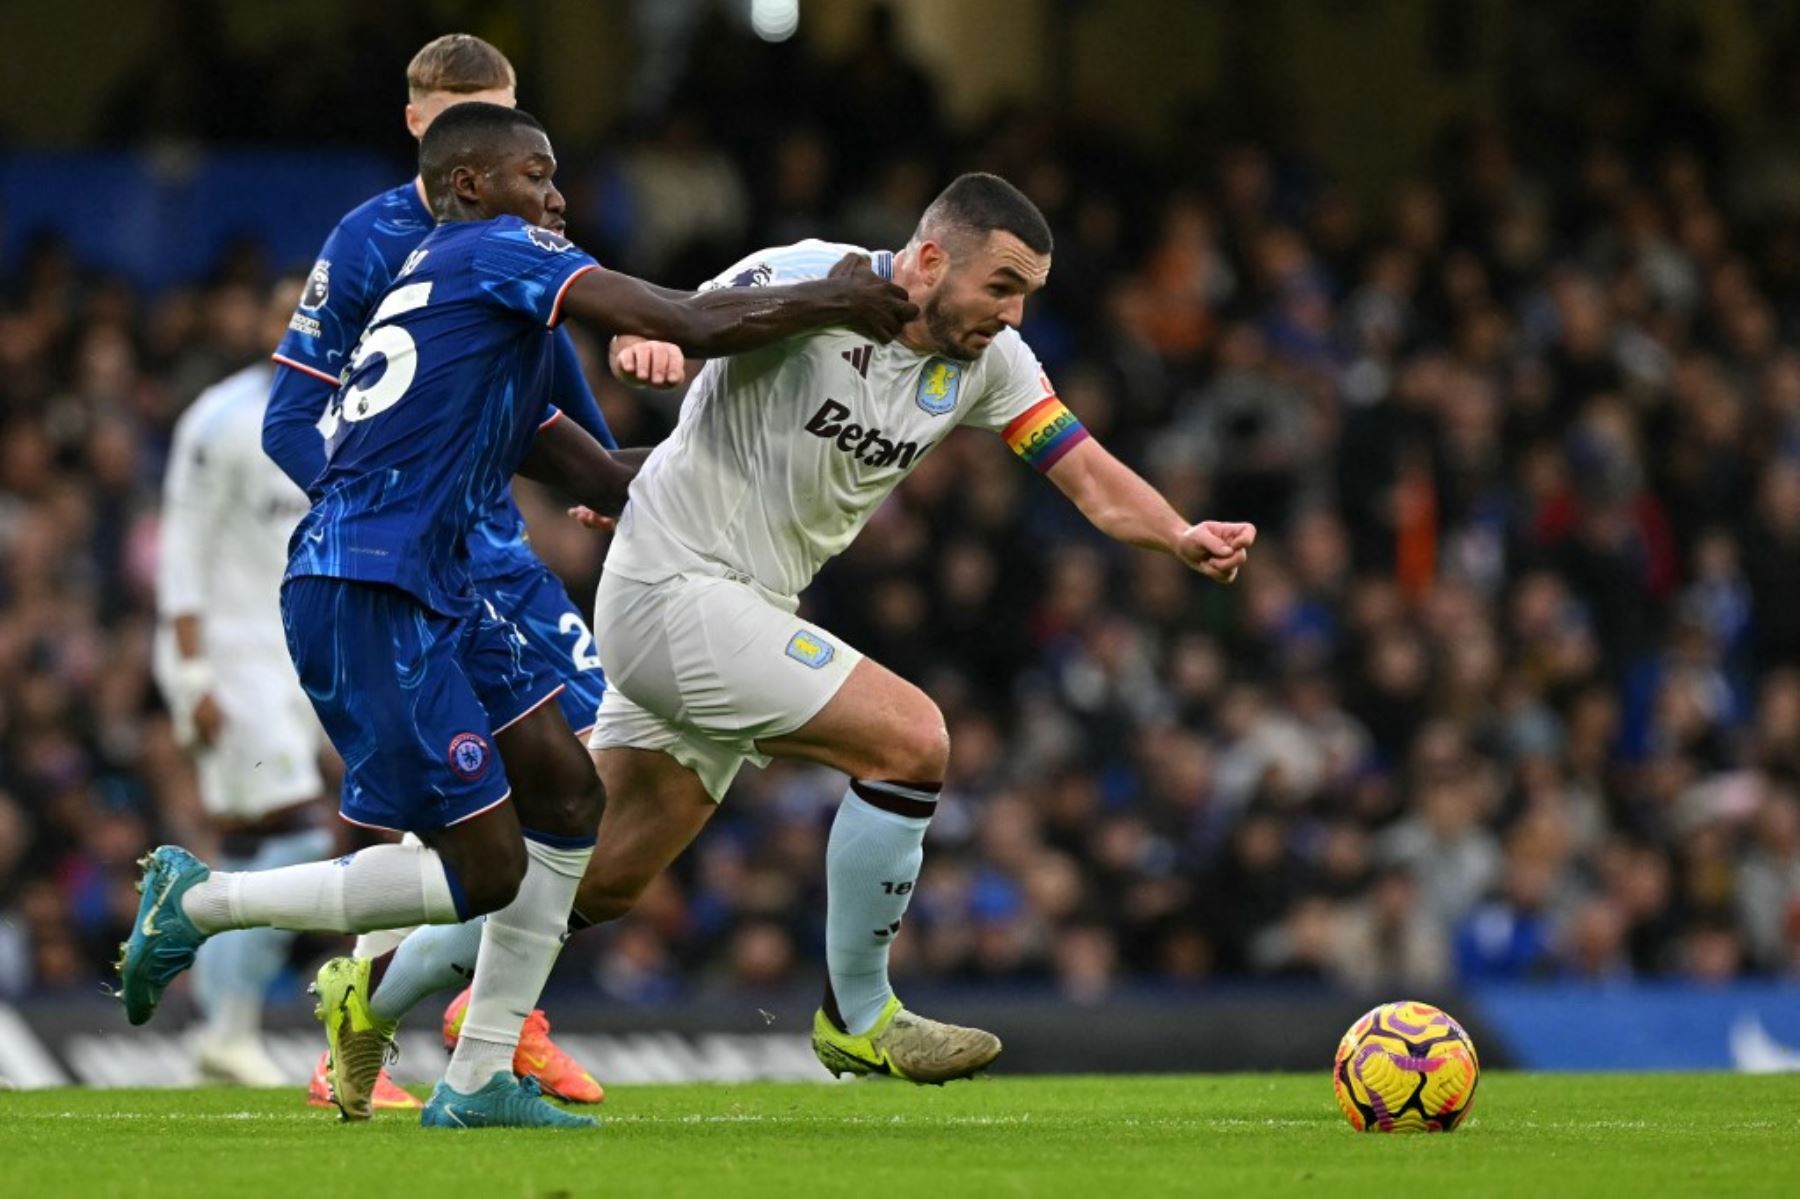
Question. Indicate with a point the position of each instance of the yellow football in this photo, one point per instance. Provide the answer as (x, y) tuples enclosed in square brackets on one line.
[(1405, 1067)]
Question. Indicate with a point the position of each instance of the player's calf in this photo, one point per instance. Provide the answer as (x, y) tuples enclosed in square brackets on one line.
[(558, 800), (655, 807), (891, 739)]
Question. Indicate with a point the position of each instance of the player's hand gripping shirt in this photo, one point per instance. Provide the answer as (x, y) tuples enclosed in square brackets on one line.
[(444, 394), (782, 454), (355, 268)]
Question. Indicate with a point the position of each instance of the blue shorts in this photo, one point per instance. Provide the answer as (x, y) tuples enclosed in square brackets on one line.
[(536, 602), (411, 698)]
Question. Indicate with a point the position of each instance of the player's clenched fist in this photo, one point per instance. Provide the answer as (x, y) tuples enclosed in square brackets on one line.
[(877, 307), (1217, 548)]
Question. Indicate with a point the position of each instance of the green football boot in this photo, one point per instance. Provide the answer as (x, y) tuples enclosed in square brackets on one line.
[(905, 1046), (361, 1043)]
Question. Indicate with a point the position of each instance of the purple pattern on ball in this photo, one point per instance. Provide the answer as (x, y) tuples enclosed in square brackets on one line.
[(1399, 1025), (1382, 1116)]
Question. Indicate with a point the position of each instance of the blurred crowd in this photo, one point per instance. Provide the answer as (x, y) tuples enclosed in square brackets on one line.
[(1509, 691)]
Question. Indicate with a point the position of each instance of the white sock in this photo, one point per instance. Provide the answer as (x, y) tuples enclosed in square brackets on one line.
[(375, 944), (518, 947), (431, 960), (376, 888), (872, 863), (233, 972)]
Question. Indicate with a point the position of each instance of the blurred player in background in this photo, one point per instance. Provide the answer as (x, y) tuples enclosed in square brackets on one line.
[(223, 666), (778, 461), (359, 260)]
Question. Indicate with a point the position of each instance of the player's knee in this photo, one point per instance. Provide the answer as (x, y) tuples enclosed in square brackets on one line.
[(494, 881), (566, 798), (920, 749), (575, 805)]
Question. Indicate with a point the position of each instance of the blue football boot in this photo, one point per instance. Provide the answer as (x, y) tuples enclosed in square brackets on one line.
[(163, 940), (505, 1102)]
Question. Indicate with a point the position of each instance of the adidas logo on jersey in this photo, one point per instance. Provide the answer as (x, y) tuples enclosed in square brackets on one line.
[(860, 358), (866, 445)]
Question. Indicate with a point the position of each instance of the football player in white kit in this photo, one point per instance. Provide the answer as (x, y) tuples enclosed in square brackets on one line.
[(778, 460), (222, 664)]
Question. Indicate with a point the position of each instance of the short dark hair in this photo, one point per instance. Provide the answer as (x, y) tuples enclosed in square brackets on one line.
[(465, 134), (459, 63), (981, 203)]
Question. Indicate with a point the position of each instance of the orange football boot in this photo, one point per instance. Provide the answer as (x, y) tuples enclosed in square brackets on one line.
[(388, 1096), (537, 1056)]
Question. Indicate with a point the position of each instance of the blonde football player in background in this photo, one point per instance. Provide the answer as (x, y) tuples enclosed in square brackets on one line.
[(779, 459), (223, 666)]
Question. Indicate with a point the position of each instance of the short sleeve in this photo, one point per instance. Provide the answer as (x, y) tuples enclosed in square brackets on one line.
[(333, 306), (799, 263), (528, 270), (1020, 404)]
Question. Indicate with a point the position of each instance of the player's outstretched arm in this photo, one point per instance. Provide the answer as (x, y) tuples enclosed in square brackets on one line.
[(566, 456), (1119, 503), (732, 320)]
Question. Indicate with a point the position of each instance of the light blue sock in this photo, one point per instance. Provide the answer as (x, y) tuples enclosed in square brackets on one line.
[(872, 863), (434, 958), (234, 969)]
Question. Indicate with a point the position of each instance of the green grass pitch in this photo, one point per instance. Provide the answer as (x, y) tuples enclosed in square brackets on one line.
[(1620, 1136)]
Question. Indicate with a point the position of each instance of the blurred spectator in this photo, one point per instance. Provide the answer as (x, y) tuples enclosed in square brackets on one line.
[(1389, 939), (1510, 691)]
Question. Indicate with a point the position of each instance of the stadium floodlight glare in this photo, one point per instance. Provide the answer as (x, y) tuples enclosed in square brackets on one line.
[(774, 20)]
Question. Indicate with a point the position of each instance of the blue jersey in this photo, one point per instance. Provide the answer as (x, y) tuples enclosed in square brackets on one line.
[(358, 263), (439, 406)]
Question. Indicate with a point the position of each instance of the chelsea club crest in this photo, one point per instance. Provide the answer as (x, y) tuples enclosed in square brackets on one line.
[(938, 386), (469, 756)]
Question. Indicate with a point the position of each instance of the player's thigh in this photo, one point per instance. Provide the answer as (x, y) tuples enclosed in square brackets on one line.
[(714, 761), (266, 757), (655, 807), (554, 787), (553, 783), (513, 676), (877, 725), (538, 605), (718, 656), (386, 678)]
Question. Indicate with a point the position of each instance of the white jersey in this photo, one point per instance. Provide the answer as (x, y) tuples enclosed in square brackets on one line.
[(228, 512), (782, 454)]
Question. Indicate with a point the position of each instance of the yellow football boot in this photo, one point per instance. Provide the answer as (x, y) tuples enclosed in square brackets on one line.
[(906, 1046)]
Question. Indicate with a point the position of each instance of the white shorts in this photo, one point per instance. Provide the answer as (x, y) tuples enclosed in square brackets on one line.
[(701, 667), (267, 755)]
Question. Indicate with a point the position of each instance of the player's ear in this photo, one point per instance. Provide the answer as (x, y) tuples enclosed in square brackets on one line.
[(934, 263), (415, 121), (465, 184)]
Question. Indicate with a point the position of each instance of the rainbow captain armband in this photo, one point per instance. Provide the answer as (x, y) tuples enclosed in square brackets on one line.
[(1044, 433)]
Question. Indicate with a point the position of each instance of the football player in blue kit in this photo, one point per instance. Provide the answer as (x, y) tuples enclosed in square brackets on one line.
[(415, 679), (355, 267)]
